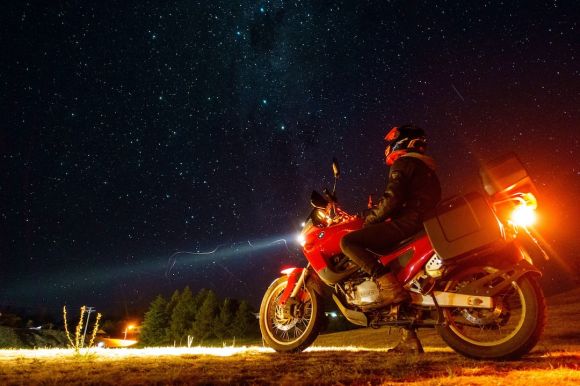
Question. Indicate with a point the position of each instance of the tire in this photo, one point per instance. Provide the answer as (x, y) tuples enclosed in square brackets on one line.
[(290, 333), (520, 311)]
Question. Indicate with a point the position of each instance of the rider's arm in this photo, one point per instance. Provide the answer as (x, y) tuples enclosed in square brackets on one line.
[(394, 195)]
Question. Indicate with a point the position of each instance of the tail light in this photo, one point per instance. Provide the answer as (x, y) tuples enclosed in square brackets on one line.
[(524, 213)]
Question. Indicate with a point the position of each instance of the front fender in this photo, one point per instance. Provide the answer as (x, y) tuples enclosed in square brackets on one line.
[(293, 276)]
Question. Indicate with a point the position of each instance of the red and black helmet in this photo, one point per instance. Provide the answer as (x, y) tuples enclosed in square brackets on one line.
[(403, 139)]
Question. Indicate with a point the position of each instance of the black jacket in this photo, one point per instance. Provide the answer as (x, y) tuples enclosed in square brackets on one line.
[(412, 190)]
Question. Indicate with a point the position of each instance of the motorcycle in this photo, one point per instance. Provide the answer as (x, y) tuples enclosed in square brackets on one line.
[(468, 274)]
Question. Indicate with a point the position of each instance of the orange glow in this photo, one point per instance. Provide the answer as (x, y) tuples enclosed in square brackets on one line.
[(127, 329), (524, 216), (110, 342)]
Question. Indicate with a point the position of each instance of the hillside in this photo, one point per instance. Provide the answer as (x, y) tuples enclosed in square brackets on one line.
[(31, 338)]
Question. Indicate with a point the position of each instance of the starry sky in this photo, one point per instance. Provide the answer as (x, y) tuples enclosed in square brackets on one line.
[(133, 130)]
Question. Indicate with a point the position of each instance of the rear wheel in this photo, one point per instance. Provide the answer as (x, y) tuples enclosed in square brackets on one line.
[(509, 330), (291, 327)]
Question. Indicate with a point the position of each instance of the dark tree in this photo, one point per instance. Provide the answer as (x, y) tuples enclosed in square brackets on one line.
[(223, 322), (182, 316), (199, 298), (202, 316), (203, 327), (155, 324), (173, 302), (245, 323)]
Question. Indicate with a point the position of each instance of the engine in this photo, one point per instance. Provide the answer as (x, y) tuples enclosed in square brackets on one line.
[(361, 292)]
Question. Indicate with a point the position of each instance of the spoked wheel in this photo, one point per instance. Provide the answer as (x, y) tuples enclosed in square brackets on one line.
[(291, 327), (509, 330)]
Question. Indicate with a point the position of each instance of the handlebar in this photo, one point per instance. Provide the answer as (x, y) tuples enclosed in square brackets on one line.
[(331, 197), (337, 215)]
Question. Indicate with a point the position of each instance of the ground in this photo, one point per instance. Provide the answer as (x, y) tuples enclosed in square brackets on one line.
[(352, 357)]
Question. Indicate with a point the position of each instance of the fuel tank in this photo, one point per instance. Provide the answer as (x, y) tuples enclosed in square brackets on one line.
[(323, 243)]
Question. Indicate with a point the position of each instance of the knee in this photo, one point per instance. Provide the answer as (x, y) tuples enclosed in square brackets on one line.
[(345, 243)]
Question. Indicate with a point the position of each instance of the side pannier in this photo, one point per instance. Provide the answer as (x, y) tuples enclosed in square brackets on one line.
[(464, 225)]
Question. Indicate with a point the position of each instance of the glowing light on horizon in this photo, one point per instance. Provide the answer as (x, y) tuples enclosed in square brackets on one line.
[(157, 352)]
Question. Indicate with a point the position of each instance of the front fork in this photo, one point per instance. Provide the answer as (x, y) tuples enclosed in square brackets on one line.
[(296, 279)]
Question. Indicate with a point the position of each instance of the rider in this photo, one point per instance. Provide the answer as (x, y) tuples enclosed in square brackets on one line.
[(413, 189)]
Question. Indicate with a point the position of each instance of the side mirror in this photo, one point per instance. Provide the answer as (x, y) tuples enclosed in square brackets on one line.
[(335, 168)]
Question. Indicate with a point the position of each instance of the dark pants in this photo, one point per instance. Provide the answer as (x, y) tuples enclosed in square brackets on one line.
[(378, 238)]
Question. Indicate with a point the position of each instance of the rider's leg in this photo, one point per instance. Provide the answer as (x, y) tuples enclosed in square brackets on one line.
[(377, 238)]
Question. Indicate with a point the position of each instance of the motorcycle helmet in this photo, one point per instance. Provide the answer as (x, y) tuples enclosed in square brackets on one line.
[(403, 139)]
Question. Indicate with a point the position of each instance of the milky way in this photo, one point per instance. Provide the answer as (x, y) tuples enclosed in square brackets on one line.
[(133, 130)]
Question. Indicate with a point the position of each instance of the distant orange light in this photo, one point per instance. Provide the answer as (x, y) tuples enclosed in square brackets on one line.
[(111, 342)]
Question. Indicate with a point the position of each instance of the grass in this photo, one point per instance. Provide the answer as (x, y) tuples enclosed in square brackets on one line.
[(260, 366), (351, 357)]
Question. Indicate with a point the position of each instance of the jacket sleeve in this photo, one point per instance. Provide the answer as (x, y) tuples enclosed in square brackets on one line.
[(394, 195)]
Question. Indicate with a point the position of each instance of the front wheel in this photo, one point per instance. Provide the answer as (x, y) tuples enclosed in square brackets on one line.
[(508, 331), (294, 326)]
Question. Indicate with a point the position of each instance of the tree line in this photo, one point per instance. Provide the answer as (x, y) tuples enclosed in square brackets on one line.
[(202, 316)]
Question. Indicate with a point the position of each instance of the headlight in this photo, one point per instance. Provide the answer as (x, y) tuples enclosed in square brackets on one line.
[(301, 239)]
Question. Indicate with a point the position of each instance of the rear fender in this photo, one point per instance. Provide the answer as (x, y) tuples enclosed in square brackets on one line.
[(494, 283)]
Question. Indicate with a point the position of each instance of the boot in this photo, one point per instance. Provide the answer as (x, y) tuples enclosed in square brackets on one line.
[(391, 291), (409, 343)]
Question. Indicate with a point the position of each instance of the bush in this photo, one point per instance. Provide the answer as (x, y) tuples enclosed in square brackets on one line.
[(25, 338), (8, 338)]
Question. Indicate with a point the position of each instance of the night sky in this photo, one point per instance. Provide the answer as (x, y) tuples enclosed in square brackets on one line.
[(132, 130)]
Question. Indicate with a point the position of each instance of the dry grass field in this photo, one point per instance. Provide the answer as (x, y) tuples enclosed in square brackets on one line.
[(353, 357)]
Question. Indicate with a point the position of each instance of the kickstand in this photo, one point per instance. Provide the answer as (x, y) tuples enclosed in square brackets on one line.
[(438, 321), (408, 343)]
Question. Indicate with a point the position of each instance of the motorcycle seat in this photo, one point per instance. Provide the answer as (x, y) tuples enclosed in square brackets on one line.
[(401, 243), (416, 236)]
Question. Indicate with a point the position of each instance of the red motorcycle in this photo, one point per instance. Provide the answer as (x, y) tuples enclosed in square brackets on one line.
[(468, 274)]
